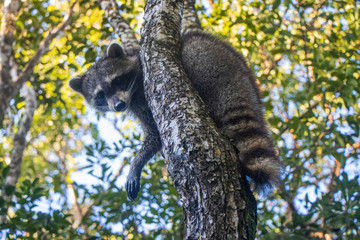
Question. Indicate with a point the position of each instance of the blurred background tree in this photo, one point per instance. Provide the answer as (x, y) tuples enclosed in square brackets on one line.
[(306, 57)]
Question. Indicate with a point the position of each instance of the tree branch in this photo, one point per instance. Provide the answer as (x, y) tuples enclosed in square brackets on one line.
[(70, 189), (121, 27), (20, 141), (44, 47), (7, 30), (190, 20), (9, 90), (301, 116), (89, 208)]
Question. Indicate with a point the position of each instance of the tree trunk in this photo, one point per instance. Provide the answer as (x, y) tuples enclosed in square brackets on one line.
[(215, 195)]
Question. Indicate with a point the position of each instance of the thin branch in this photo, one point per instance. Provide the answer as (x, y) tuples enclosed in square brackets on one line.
[(77, 208), (302, 115), (121, 27), (44, 47), (335, 173), (289, 198), (98, 200), (8, 90)]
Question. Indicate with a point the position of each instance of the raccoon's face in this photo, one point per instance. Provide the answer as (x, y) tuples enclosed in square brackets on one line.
[(110, 83)]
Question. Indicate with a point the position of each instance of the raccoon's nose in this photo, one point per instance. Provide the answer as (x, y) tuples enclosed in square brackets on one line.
[(120, 106)]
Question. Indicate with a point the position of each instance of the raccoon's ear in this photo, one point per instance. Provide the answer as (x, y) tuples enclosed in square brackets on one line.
[(75, 84), (114, 50)]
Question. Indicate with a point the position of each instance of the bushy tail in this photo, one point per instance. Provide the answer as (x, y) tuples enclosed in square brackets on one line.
[(248, 132)]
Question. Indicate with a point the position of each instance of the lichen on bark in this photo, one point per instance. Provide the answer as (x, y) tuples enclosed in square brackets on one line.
[(216, 199)]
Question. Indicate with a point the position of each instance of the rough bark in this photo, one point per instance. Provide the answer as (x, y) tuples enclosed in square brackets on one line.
[(216, 199), (190, 20), (121, 27), (7, 31), (20, 142), (8, 88)]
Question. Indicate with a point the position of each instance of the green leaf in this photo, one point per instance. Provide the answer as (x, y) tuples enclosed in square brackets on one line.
[(9, 190)]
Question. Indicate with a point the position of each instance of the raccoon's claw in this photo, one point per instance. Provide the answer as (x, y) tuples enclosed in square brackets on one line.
[(132, 186)]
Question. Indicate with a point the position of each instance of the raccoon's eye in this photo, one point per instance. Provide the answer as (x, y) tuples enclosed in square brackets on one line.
[(120, 83), (100, 99)]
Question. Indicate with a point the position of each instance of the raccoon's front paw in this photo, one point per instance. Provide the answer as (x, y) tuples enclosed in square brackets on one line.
[(132, 185)]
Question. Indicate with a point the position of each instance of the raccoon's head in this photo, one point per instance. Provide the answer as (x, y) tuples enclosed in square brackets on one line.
[(110, 83)]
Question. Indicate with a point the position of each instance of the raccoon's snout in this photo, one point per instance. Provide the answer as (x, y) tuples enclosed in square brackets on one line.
[(120, 106), (118, 102)]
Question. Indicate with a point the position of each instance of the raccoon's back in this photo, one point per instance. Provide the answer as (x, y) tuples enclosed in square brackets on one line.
[(227, 86)]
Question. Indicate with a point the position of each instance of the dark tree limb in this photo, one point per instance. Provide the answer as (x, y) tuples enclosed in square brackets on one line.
[(216, 199), (190, 20), (121, 27)]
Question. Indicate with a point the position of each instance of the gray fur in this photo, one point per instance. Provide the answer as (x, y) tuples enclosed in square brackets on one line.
[(222, 79)]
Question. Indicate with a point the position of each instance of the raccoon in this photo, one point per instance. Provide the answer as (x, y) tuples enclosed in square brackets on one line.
[(224, 82)]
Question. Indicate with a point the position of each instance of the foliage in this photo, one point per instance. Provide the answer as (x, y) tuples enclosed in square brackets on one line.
[(26, 222), (306, 58)]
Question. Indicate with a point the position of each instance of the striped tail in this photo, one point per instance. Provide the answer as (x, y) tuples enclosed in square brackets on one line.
[(247, 130)]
